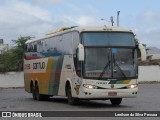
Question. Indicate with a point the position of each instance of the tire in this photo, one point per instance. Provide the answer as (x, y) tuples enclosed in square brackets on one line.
[(71, 100), (33, 92), (116, 101), (40, 97), (46, 97)]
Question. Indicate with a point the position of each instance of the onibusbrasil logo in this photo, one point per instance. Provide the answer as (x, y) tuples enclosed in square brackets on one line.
[(21, 114)]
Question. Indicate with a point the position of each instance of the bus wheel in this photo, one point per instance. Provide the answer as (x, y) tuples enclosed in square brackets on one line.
[(33, 91), (40, 97), (116, 101), (71, 100), (45, 97)]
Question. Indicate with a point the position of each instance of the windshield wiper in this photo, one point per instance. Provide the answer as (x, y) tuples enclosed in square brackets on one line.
[(104, 70), (120, 69)]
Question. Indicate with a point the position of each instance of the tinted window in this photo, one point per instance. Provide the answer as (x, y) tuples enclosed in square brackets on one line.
[(108, 39)]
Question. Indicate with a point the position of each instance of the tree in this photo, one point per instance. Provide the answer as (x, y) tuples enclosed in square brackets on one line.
[(13, 58), (138, 50)]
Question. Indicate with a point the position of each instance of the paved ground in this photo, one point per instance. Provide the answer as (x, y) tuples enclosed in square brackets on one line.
[(148, 99)]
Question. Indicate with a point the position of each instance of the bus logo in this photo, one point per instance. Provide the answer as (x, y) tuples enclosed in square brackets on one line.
[(6, 114), (112, 85)]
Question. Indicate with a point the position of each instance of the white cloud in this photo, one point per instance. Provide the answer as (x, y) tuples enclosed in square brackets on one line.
[(24, 18), (83, 20), (148, 28), (21, 18), (47, 1), (33, 11)]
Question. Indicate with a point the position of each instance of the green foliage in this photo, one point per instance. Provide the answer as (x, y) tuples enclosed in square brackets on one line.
[(151, 62), (13, 58), (138, 50)]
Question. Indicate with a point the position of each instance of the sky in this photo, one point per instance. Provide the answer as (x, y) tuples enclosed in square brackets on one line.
[(38, 17)]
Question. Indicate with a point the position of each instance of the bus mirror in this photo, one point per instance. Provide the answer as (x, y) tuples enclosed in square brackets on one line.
[(143, 52), (80, 52)]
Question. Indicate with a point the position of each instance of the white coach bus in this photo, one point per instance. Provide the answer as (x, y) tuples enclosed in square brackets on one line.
[(89, 63)]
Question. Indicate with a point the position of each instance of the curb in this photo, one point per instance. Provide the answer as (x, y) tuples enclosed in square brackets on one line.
[(11, 88), (149, 82)]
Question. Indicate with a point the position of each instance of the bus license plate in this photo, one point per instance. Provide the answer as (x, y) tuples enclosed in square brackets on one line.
[(112, 94)]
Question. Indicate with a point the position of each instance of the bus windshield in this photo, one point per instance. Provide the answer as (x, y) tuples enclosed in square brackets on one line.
[(103, 62), (108, 39)]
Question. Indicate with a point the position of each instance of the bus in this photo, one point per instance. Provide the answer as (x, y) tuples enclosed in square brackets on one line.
[(82, 63)]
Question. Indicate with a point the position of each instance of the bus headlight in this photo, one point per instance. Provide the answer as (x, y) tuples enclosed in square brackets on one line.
[(132, 86), (90, 86)]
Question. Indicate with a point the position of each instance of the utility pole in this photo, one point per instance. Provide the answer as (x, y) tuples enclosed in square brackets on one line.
[(111, 18), (118, 12)]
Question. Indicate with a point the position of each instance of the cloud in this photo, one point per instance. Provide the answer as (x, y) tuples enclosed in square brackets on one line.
[(149, 19), (21, 18), (47, 1), (83, 20), (34, 11), (148, 28), (79, 20), (24, 18)]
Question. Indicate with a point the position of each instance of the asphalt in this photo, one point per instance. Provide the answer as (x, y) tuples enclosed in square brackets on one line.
[(16, 99)]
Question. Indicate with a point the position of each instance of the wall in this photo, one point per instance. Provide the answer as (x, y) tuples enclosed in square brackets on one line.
[(155, 56), (16, 79), (149, 73), (12, 79)]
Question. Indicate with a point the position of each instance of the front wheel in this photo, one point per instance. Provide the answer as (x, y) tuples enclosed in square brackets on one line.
[(71, 100), (116, 101)]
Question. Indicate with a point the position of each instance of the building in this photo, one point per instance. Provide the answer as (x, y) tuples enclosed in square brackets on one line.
[(154, 53), (3, 47)]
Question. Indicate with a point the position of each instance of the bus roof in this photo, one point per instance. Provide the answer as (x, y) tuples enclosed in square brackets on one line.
[(81, 29)]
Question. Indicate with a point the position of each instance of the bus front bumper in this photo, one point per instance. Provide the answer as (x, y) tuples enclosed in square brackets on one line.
[(108, 93)]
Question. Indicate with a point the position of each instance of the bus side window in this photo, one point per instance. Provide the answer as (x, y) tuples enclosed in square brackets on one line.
[(35, 48), (77, 64), (29, 48)]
